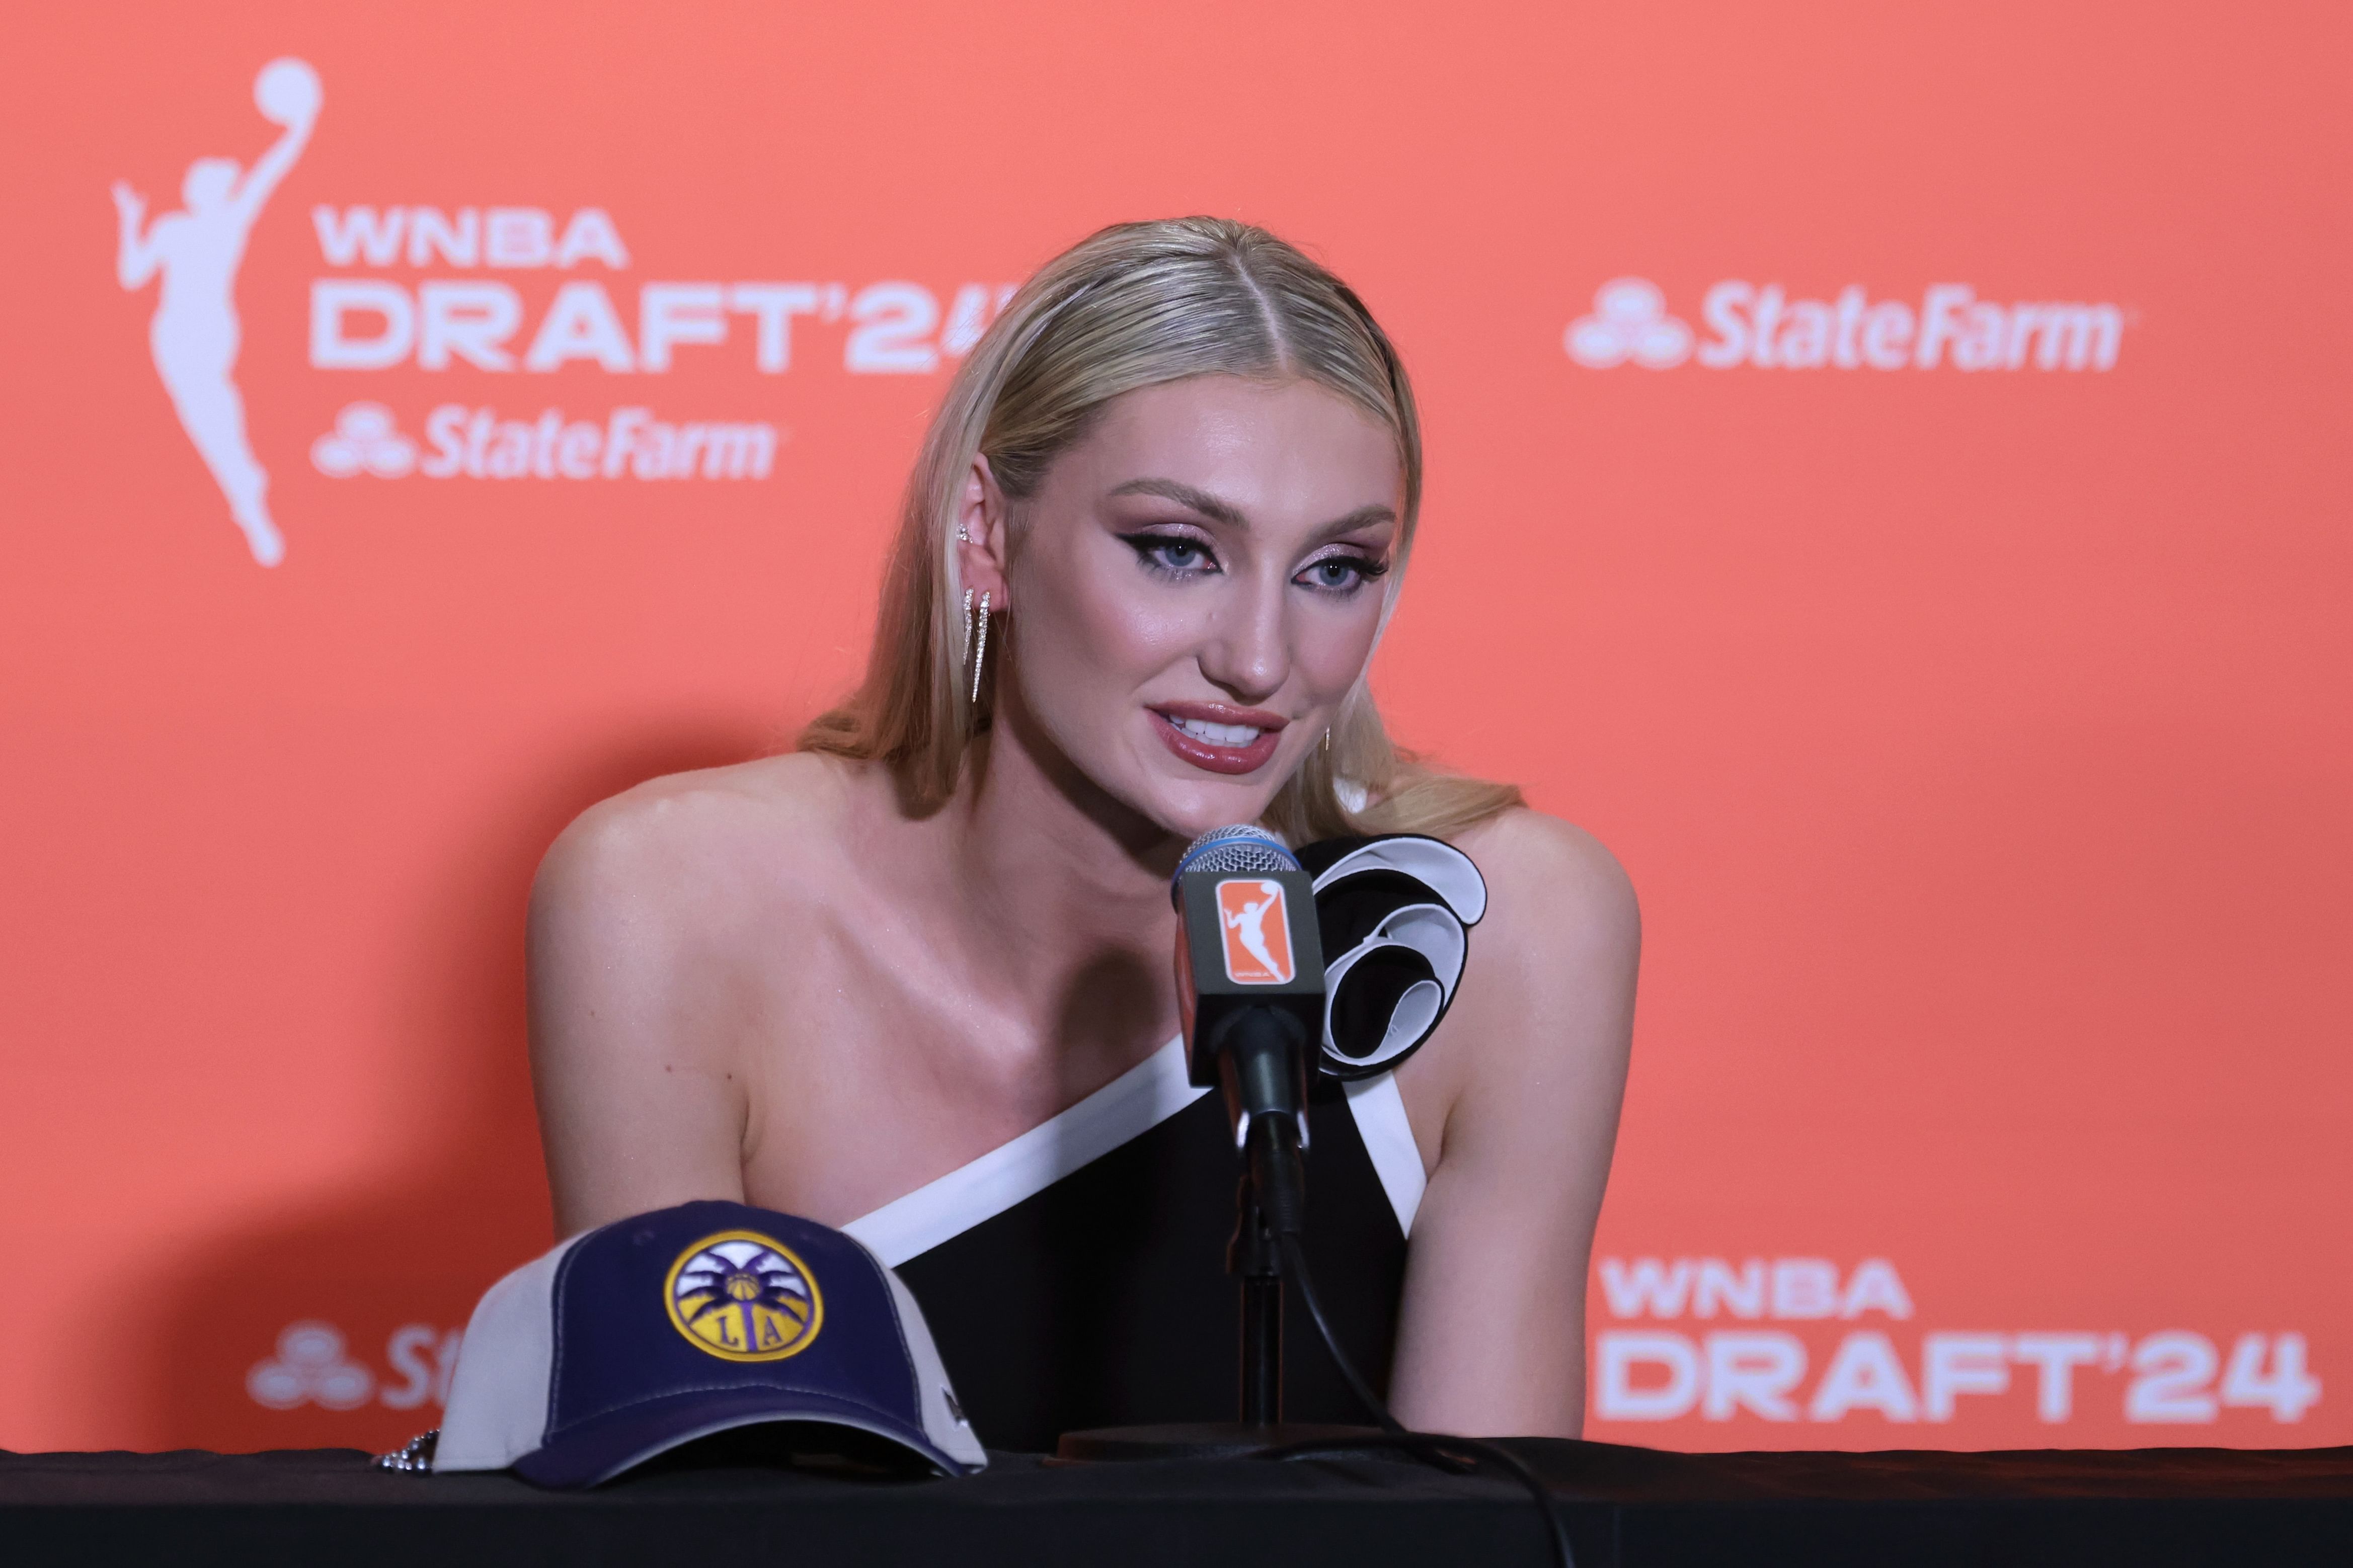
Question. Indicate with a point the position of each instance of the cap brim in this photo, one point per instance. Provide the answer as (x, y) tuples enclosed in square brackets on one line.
[(596, 1451)]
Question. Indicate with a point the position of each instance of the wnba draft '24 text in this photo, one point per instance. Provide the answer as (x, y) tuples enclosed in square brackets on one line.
[(1873, 1365)]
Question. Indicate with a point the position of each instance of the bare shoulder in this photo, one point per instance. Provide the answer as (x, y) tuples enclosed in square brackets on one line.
[(702, 834), (656, 906), (1554, 890), (651, 938), (1543, 1020)]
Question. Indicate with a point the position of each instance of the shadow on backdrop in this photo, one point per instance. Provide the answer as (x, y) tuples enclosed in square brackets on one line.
[(334, 1323)]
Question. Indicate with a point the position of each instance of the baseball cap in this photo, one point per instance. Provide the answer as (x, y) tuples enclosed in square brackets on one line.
[(633, 1338)]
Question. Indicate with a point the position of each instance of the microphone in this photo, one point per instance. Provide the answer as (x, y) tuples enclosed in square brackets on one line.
[(1249, 984), (1250, 974)]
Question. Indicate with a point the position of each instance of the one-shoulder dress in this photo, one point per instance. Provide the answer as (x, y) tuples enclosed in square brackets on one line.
[(1075, 1277)]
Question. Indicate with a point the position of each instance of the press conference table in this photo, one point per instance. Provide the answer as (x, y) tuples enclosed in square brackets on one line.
[(1625, 1507)]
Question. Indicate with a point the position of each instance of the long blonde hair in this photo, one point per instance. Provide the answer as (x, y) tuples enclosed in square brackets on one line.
[(1132, 306)]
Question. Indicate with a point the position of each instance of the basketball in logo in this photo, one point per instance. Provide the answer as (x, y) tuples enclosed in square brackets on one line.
[(741, 1296), (1258, 931)]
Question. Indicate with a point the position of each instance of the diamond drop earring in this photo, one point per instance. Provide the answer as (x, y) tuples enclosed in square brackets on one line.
[(980, 648)]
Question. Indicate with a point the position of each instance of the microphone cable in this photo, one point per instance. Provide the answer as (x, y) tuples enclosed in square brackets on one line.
[(1456, 1456)]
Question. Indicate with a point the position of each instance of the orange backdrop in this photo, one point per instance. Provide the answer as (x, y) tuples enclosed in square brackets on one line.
[(1887, 478)]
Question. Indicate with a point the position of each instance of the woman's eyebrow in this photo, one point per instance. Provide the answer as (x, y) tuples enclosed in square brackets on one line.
[(1185, 495), (1363, 517), (1225, 511)]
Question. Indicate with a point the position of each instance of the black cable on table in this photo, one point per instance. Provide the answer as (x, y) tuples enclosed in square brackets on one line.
[(1454, 1455)]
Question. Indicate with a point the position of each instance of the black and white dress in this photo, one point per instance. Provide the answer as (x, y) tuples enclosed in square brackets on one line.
[(1075, 1277)]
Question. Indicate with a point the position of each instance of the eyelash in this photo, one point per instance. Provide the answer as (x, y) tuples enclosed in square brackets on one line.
[(1147, 547)]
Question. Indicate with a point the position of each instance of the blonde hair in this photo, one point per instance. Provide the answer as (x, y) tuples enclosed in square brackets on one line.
[(1132, 306)]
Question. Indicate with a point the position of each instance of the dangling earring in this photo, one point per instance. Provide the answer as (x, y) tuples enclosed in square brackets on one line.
[(980, 649), (1327, 743)]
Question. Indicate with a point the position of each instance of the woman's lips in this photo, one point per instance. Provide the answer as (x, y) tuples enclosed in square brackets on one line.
[(1212, 755)]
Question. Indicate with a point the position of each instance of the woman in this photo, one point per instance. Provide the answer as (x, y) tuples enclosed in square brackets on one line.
[(914, 980)]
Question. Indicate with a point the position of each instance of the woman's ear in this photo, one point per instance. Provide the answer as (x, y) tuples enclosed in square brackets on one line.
[(981, 535)]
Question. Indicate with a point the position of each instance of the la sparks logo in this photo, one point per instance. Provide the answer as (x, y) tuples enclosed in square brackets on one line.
[(740, 1296), (1258, 932)]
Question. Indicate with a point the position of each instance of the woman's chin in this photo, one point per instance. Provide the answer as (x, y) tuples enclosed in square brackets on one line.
[(1187, 809)]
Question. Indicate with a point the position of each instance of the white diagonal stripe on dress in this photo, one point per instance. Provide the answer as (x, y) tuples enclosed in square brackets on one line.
[(1126, 1108)]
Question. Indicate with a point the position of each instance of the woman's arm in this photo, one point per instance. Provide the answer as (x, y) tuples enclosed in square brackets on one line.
[(1527, 1073), (641, 1104)]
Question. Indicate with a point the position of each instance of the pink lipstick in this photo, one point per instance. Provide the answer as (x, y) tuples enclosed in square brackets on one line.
[(1217, 738)]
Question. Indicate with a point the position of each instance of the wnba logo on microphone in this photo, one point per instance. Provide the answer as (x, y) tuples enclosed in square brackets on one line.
[(1256, 926)]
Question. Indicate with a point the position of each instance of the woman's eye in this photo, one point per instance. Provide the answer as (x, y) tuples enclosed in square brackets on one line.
[(1340, 574), (1175, 555)]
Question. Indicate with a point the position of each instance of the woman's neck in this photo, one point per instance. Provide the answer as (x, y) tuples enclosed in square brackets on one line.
[(1059, 881)]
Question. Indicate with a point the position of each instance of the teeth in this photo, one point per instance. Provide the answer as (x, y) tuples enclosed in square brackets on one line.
[(1217, 734)]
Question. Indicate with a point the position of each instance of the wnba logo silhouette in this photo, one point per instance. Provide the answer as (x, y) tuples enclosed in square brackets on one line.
[(194, 333), (1258, 932)]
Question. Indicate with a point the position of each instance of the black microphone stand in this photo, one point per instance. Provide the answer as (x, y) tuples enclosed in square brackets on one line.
[(1262, 1073), (1262, 1069), (1255, 1258)]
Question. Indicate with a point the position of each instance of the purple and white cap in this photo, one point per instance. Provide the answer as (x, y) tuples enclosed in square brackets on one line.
[(633, 1338)]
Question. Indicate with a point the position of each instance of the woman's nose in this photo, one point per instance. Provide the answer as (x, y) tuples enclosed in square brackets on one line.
[(1249, 648)]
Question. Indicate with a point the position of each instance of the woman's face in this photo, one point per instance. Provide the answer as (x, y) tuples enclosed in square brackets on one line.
[(1195, 587)]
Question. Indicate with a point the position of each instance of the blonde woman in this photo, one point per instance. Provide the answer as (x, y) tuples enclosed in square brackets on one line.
[(915, 979)]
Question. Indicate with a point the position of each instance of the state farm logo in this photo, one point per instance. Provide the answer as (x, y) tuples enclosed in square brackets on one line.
[(310, 1366), (477, 444), (363, 440), (1765, 329), (313, 1366), (1630, 321)]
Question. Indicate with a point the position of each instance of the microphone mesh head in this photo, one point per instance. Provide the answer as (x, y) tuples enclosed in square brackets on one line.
[(1238, 850)]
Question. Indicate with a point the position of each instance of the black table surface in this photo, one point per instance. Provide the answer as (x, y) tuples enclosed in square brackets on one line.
[(1624, 1506)]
